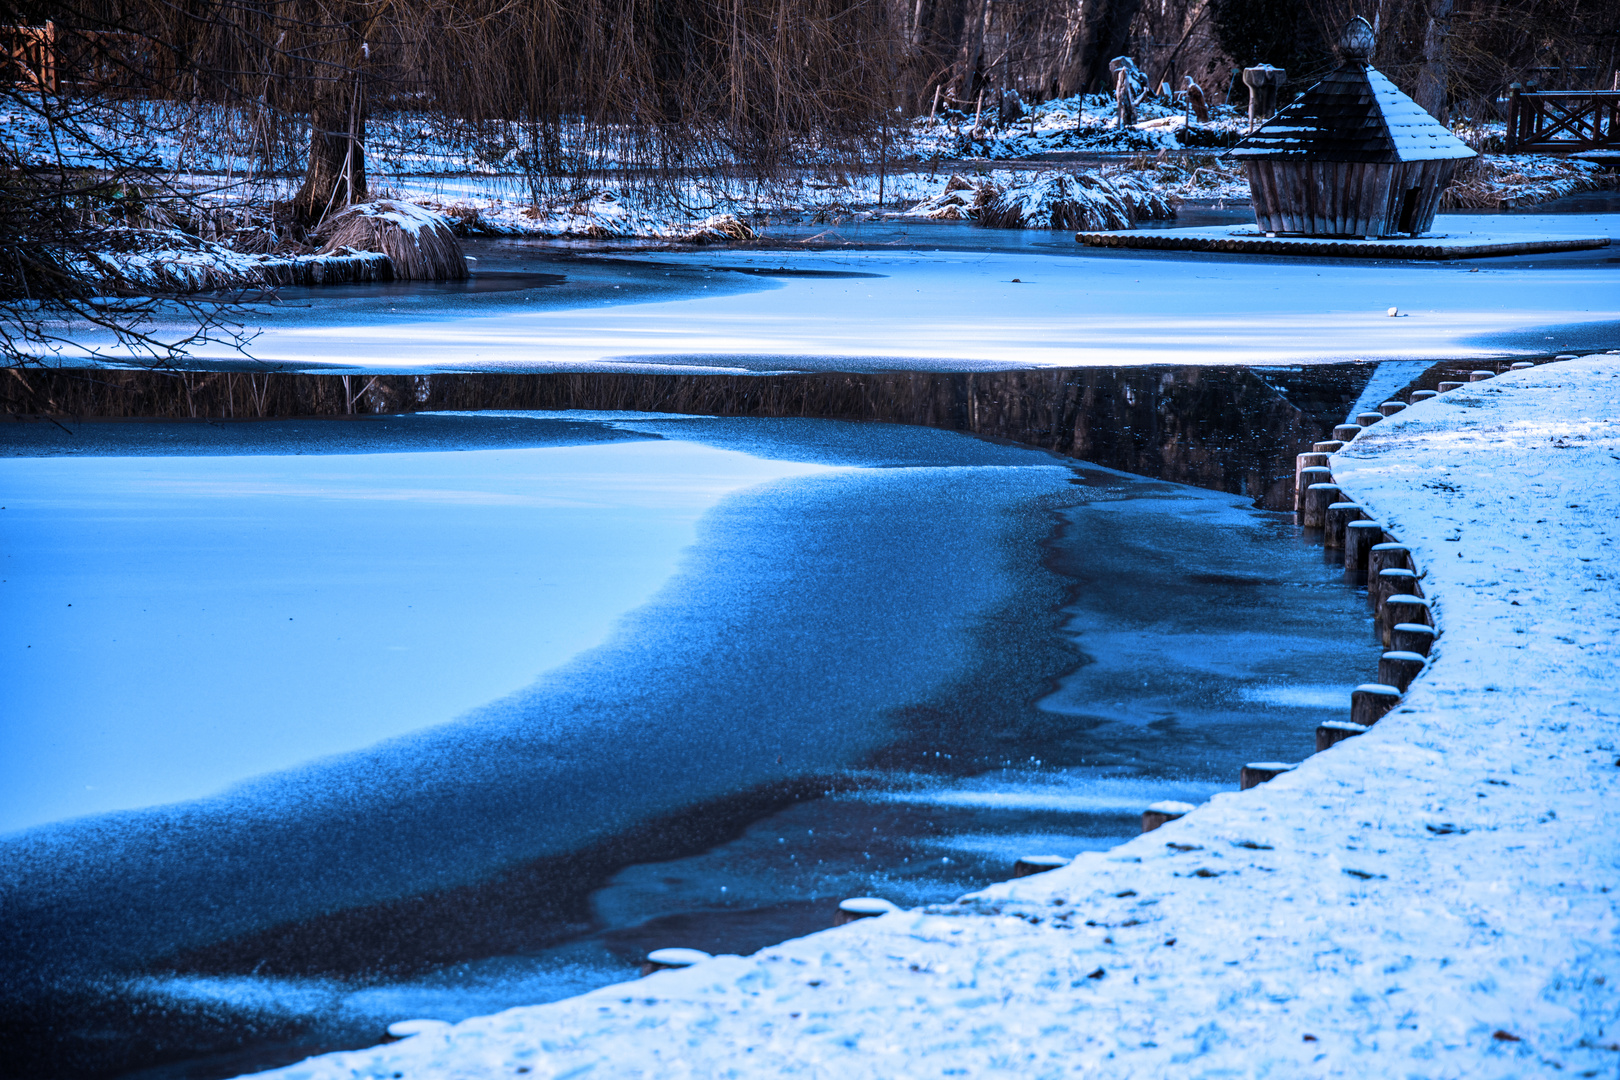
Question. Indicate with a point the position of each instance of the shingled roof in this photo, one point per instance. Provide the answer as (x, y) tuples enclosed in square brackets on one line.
[(1355, 114)]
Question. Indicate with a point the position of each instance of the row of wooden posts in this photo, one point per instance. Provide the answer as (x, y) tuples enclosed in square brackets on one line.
[(1404, 620)]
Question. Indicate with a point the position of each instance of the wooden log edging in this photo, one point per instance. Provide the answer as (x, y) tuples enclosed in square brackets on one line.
[(1403, 617), (1339, 249)]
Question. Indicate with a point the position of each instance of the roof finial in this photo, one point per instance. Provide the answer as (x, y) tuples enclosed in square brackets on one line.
[(1358, 41)]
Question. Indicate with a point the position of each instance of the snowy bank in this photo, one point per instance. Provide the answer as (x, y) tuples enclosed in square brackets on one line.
[(1434, 897), (169, 260)]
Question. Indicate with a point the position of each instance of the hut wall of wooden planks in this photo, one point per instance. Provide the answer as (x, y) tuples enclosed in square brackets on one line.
[(1347, 198), (1351, 156)]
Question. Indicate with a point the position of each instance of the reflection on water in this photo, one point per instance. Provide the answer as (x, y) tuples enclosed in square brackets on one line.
[(1233, 429)]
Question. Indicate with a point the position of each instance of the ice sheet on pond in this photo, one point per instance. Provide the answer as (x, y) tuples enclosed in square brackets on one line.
[(376, 594), (954, 310), (883, 628), (704, 683)]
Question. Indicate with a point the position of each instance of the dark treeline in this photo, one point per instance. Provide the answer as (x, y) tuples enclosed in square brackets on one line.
[(649, 84), (657, 92), (751, 85)]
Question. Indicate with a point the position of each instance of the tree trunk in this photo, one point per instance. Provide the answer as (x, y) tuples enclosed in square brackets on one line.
[(1098, 31), (1431, 77), (965, 79), (336, 174)]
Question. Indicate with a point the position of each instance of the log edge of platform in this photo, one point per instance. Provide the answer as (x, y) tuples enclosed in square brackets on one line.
[(1245, 245)]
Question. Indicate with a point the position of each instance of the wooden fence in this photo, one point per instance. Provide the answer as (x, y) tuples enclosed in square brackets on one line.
[(30, 56), (51, 59), (1563, 121)]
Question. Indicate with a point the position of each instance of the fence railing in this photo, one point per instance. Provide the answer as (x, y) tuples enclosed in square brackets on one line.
[(1563, 121), (30, 56), (51, 59)]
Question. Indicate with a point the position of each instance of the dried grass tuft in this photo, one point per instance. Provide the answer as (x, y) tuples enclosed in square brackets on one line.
[(720, 229), (1075, 202), (419, 242), (1491, 182)]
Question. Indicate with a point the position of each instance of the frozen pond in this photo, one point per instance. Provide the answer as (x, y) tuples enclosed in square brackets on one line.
[(947, 296), (472, 711)]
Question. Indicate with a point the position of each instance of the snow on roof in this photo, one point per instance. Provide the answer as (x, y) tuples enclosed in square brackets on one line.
[(1355, 114)]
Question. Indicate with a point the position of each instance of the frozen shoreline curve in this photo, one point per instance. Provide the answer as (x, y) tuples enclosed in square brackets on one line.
[(1435, 897)]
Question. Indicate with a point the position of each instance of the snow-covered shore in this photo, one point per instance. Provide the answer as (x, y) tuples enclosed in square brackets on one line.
[(1436, 897)]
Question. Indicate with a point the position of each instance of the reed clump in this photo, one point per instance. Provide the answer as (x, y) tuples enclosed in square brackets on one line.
[(417, 241)]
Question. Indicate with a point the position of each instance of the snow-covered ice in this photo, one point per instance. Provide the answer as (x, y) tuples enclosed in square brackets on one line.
[(149, 597), (1436, 897), (943, 310)]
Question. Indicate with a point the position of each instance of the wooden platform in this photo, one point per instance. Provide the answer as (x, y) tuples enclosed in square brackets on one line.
[(1250, 241)]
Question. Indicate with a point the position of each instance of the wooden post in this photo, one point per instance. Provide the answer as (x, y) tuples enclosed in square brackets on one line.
[(1256, 773), (47, 58), (1037, 864), (1521, 365), (1359, 538), (861, 907), (1327, 446), (1422, 395), (1381, 557), (1387, 554), (1412, 638), (1449, 385), (1390, 408), (671, 959), (1402, 608), (1332, 732), (1481, 375), (1346, 432), (1398, 668), (1391, 581), (1318, 497), (1304, 477), (1514, 102), (1338, 516), (1370, 701), (1368, 419), (1162, 813)]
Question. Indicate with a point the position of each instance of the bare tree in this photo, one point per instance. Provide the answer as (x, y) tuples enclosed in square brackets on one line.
[(78, 206)]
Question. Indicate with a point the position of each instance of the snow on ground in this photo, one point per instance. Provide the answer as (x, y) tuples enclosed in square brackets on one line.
[(1499, 181), (476, 173), (1436, 897), (1082, 123), (960, 310)]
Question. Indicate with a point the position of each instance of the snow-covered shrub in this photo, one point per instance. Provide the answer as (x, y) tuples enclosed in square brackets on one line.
[(172, 261), (955, 203), (1074, 202)]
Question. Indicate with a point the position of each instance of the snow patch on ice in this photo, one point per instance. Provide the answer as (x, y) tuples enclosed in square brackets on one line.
[(1298, 696)]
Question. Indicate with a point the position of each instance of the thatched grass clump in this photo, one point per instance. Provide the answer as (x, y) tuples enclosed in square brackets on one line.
[(719, 229), (1076, 202), (419, 242)]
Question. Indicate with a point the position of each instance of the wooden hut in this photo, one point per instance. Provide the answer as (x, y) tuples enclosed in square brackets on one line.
[(1352, 156)]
